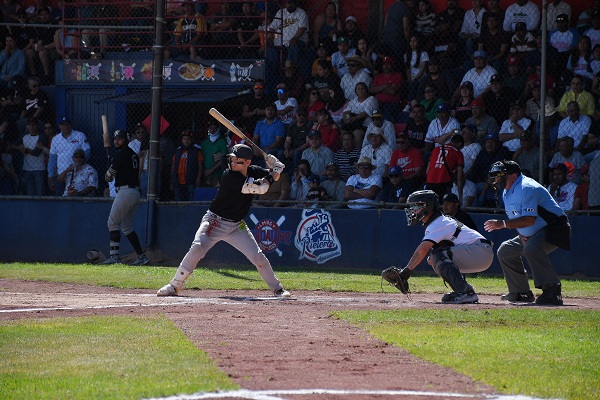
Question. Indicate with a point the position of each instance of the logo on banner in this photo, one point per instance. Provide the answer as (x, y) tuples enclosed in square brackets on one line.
[(93, 71), (237, 73), (315, 237), (269, 236), (127, 71)]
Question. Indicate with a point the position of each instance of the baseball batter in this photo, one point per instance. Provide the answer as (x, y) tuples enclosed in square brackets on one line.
[(455, 249), (125, 171), (224, 219)]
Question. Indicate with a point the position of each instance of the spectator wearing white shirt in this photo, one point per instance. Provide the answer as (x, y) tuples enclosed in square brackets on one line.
[(522, 11), (441, 129), (379, 151), (512, 128), (562, 190), (286, 106), (575, 125), (357, 113), (379, 121), (61, 152), (471, 148), (356, 73), (479, 75), (594, 32), (338, 59), (471, 26), (292, 23)]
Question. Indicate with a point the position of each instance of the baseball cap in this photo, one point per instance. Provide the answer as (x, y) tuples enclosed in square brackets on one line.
[(281, 86), (333, 165), (442, 108), (64, 120), (562, 167), (121, 134), (562, 17), (351, 18), (517, 103), (79, 152), (314, 132), (376, 113), (388, 60), (479, 54), (492, 136), (302, 111), (471, 127), (496, 78), (526, 135), (468, 84), (450, 198), (314, 178), (342, 39), (513, 60), (376, 131), (242, 151), (584, 169), (322, 44), (189, 132), (478, 102), (395, 170)]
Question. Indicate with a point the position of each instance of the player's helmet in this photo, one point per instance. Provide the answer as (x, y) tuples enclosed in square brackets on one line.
[(500, 169), (241, 151), (420, 204), (122, 134)]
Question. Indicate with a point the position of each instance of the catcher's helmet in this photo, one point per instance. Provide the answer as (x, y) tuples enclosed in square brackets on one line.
[(420, 204), (120, 133)]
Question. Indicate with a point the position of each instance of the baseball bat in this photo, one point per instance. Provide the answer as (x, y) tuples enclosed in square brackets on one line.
[(105, 134), (227, 123)]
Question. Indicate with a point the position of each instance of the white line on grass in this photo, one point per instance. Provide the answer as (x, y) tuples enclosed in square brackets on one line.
[(275, 394)]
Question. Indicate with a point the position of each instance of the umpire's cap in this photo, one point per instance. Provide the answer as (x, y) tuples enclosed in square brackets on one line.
[(242, 151), (120, 133)]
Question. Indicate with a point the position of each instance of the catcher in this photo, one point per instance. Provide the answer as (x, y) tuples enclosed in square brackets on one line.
[(454, 249)]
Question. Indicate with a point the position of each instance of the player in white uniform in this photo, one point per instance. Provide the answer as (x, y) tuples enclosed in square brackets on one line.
[(224, 219), (455, 248)]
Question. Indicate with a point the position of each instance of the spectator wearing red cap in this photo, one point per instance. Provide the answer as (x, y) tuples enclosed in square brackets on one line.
[(386, 88), (580, 201), (536, 76), (514, 78), (485, 124)]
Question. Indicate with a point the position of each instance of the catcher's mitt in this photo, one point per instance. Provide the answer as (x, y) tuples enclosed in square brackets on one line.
[(397, 277)]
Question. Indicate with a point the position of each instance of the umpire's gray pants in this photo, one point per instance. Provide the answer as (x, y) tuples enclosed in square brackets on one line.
[(213, 229), (535, 250)]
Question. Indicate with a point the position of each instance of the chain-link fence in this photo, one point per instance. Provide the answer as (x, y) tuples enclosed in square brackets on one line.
[(306, 80)]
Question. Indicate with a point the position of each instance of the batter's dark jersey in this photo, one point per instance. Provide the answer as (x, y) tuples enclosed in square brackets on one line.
[(126, 163), (230, 203)]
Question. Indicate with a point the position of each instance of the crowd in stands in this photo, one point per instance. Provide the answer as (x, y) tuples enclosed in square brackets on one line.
[(433, 104)]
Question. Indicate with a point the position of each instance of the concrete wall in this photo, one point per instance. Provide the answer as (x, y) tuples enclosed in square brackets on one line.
[(59, 230)]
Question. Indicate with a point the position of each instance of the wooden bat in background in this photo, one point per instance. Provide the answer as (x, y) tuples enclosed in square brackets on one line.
[(105, 134), (227, 123)]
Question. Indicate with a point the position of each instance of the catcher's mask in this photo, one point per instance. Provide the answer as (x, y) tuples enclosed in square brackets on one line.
[(500, 169), (420, 204)]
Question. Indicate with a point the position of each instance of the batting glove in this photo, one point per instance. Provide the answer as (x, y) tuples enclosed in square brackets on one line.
[(271, 160), (278, 167)]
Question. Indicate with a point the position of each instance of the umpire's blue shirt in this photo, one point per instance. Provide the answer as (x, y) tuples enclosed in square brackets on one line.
[(524, 198)]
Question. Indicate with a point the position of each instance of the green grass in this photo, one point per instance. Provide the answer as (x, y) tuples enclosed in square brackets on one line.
[(247, 278), (538, 352), (102, 358)]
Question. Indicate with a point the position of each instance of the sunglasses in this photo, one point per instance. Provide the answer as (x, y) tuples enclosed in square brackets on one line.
[(364, 166), (258, 87), (280, 91)]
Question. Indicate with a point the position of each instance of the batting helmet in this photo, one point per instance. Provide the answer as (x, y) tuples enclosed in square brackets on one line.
[(420, 204), (242, 151), (122, 134)]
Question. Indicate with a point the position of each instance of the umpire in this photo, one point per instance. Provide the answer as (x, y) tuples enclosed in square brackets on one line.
[(125, 171), (542, 227)]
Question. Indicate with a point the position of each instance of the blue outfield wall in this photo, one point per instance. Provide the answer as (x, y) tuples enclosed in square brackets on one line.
[(62, 230)]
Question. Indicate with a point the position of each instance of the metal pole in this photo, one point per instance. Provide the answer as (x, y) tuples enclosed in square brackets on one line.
[(154, 166), (543, 92)]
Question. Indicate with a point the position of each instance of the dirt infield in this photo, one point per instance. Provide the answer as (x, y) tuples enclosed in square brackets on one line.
[(265, 343)]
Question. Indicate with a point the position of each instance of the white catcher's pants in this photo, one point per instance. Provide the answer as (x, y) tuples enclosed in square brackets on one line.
[(212, 230)]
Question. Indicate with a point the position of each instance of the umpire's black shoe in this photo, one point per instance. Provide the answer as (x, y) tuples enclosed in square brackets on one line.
[(551, 296), (526, 297)]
